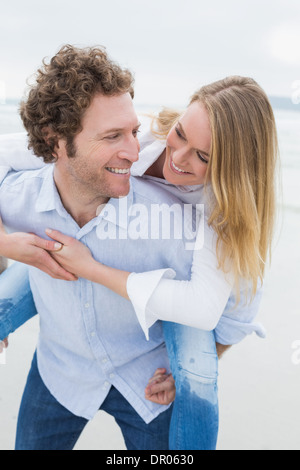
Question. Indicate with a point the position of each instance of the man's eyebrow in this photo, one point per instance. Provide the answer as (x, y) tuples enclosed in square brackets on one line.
[(184, 135), (115, 130)]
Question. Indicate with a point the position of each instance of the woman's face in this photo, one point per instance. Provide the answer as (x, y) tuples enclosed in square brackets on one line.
[(188, 148)]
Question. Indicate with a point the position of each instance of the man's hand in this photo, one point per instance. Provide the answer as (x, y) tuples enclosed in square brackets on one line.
[(161, 388), (30, 249), (221, 349), (3, 345)]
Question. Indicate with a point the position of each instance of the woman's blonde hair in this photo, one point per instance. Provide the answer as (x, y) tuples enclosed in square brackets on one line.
[(241, 172)]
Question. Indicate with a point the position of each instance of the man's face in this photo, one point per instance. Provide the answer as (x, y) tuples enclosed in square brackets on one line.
[(105, 149)]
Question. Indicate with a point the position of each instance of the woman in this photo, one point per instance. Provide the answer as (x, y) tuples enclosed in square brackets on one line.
[(226, 143)]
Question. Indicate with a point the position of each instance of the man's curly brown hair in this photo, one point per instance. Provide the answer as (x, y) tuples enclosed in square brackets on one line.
[(64, 90)]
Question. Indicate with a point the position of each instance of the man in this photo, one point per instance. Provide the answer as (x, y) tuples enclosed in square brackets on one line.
[(91, 353)]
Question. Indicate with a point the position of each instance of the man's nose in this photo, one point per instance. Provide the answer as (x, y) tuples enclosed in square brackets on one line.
[(130, 151)]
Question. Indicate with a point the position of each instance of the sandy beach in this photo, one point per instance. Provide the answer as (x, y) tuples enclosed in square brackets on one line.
[(258, 386)]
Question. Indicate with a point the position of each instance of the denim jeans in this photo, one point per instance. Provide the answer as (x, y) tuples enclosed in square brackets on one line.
[(16, 301), (194, 364), (192, 354), (44, 424)]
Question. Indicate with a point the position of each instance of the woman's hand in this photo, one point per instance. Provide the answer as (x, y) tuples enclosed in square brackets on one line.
[(74, 256), (161, 388), (30, 249)]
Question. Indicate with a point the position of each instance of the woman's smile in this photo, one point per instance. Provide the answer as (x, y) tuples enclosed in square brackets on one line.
[(176, 169)]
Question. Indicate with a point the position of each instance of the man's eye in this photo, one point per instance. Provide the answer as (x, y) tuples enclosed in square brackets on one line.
[(136, 132), (113, 137)]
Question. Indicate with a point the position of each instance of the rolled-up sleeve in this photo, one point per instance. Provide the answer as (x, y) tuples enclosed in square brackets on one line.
[(237, 322)]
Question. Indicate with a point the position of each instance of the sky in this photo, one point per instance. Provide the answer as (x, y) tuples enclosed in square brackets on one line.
[(172, 46)]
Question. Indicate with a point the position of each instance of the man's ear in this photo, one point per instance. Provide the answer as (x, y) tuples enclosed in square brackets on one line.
[(51, 139)]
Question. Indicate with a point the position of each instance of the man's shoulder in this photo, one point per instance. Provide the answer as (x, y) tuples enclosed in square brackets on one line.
[(17, 178), (149, 191)]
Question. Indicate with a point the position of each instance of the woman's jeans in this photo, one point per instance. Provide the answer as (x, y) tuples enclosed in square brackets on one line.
[(194, 365), (192, 354), (16, 301)]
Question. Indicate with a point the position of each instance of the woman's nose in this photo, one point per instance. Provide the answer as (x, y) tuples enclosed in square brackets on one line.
[(180, 156)]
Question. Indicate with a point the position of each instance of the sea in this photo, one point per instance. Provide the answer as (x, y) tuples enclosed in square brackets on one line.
[(288, 125)]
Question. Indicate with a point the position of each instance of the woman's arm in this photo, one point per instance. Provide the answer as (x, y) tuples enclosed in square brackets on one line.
[(198, 303), (15, 155), (76, 258)]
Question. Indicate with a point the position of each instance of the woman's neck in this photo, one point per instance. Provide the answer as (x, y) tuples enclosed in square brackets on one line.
[(156, 169)]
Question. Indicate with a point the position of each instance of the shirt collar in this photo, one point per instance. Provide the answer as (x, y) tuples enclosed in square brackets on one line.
[(117, 209), (48, 196), (49, 199)]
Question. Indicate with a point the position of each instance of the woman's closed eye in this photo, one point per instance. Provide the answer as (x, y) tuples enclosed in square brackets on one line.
[(203, 159)]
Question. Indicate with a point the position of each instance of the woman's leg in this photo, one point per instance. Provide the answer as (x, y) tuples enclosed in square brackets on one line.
[(194, 365), (16, 301)]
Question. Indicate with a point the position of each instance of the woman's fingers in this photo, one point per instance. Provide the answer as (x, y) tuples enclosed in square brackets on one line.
[(47, 245), (58, 236), (55, 270)]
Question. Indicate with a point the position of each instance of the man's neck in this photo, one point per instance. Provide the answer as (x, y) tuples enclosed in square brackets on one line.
[(81, 206)]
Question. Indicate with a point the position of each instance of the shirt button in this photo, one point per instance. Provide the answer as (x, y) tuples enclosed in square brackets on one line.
[(106, 384), (104, 361), (111, 376), (87, 305), (93, 334)]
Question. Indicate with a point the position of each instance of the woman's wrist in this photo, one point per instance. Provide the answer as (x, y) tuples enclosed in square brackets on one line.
[(94, 271), (113, 279)]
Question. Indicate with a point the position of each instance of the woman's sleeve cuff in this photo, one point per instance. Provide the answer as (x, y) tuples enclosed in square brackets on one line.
[(140, 288)]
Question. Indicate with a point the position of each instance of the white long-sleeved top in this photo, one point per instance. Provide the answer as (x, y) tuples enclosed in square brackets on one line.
[(207, 301)]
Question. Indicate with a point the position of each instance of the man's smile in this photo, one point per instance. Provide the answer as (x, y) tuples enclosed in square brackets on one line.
[(119, 171)]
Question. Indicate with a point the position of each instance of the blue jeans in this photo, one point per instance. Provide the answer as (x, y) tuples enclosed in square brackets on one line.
[(44, 424), (194, 364), (16, 301), (192, 354)]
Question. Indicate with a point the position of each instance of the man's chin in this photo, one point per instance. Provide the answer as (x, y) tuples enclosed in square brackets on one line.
[(120, 192)]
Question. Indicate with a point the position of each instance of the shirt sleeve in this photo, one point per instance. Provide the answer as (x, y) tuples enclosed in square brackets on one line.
[(237, 322), (198, 303), (15, 155)]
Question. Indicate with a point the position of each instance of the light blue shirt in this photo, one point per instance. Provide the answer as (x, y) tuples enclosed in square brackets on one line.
[(90, 338)]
